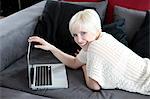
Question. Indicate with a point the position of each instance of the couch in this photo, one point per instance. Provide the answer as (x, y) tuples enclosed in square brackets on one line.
[(14, 32)]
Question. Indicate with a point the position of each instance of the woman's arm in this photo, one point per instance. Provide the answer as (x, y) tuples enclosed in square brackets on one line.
[(66, 59), (92, 84)]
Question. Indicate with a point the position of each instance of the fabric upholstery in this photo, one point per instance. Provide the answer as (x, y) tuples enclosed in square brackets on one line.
[(14, 32), (141, 41), (141, 5), (17, 78), (100, 7), (131, 16), (7, 93), (83, 0)]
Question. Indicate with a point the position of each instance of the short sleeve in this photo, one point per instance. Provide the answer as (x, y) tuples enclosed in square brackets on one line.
[(82, 56), (98, 68), (94, 67)]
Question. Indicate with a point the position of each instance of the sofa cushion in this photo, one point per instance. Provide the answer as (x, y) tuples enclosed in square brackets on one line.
[(7, 93), (83, 0), (16, 77), (14, 32), (100, 7), (116, 29), (141, 41), (141, 5), (53, 25), (131, 16)]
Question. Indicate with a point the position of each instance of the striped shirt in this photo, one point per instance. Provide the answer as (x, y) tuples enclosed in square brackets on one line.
[(114, 65)]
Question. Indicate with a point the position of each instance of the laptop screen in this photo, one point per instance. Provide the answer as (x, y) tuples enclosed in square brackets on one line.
[(39, 56)]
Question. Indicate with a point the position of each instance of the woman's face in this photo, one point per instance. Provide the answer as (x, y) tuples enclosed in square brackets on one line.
[(82, 36)]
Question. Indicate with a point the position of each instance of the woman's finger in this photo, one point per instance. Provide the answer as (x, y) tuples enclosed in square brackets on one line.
[(38, 46), (36, 39)]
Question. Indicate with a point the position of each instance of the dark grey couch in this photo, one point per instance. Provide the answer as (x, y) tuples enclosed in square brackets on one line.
[(14, 32)]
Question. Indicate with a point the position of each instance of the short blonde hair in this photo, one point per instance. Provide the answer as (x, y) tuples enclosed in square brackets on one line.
[(88, 18)]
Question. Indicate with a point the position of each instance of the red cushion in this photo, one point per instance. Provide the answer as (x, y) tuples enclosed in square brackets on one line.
[(131, 4), (83, 0)]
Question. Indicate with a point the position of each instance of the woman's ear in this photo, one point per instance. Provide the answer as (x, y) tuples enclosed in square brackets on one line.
[(98, 33)]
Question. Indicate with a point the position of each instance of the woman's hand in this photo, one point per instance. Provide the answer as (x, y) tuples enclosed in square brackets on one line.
[(42, 43)]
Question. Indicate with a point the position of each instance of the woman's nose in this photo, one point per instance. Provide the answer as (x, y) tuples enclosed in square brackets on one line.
[(79, 39)]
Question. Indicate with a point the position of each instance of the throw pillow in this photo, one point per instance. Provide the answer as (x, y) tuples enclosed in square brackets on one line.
[(99, 6), (141, 5), (131, 16), (116, 29), (141, 42)]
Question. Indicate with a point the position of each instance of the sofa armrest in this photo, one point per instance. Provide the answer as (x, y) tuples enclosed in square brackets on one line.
[(14, 32)]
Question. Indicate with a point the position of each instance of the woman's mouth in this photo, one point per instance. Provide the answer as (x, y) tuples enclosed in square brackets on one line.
[(82, 44)]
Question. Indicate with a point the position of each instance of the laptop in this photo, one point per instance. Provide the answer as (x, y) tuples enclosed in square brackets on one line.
[(46, 76)]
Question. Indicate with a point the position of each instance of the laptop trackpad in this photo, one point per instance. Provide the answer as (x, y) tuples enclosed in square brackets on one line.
[(59, 77)]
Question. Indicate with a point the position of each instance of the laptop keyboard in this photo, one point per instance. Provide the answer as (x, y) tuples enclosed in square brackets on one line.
[(31, 74), (43, 76)]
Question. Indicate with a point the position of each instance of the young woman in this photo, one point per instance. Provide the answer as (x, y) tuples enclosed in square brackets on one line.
[(106, 62)]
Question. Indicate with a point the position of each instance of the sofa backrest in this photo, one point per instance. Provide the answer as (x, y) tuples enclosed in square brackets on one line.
[(14, 32)]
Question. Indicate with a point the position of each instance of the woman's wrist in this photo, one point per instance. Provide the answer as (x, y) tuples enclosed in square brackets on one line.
[(51, 48), (54, 49)]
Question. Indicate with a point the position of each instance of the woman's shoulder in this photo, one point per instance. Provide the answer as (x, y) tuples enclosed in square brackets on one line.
[(102, 39), (103, 43)]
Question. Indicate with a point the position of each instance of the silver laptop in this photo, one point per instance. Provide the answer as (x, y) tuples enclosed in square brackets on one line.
[(46, 76)]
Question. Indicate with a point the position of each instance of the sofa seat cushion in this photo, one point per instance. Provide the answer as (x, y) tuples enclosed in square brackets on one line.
[(7, 93), (16, 77)]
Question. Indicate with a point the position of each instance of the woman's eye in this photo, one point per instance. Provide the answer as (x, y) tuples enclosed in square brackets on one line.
[(74, 35), (83, 33)]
